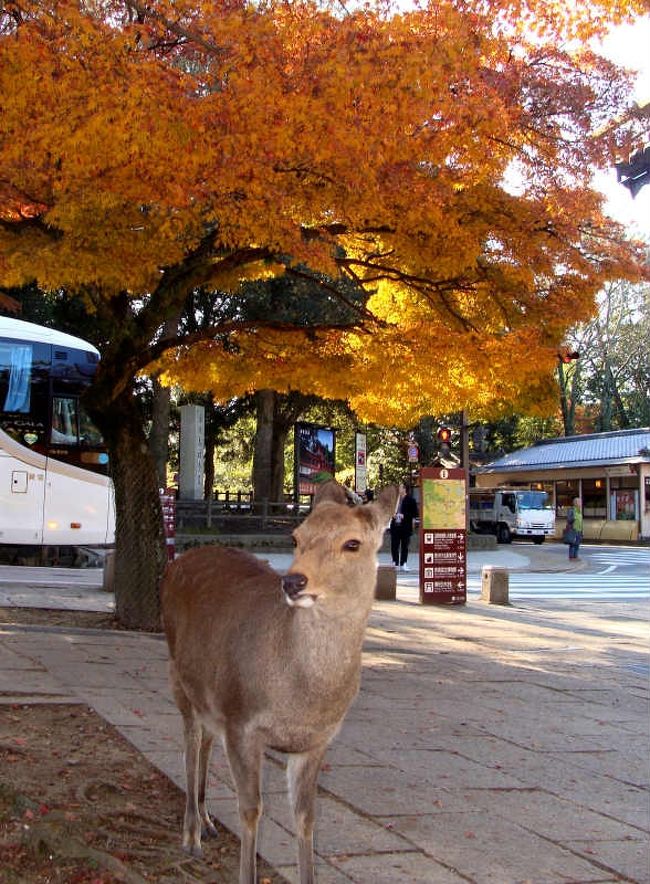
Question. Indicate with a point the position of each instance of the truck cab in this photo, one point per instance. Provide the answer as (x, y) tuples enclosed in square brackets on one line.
[(512, 512)]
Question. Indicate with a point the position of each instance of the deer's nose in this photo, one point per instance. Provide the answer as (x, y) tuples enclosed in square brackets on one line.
[(293, 584)]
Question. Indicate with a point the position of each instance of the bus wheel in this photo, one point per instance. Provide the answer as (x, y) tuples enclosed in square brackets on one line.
[(503, 534)]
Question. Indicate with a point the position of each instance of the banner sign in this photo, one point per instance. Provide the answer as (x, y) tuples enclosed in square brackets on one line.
[(314, 456), (360, 463), (443, 546), (168, 505)]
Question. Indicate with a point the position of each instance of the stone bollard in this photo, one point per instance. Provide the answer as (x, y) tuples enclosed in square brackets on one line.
[(108, 577), (494, 585), (386, 586)]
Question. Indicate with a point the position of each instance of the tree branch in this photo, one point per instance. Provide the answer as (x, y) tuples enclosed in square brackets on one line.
[(178, 29), (223, 329)]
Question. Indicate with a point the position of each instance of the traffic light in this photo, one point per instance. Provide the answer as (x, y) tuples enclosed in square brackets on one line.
[(444, 435), (566, 356)]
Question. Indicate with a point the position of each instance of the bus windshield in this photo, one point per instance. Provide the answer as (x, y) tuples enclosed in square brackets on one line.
[(533, 500), (41, 391)]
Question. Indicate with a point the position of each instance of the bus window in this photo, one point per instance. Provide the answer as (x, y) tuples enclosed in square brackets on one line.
[(15, 376), (64, 421)]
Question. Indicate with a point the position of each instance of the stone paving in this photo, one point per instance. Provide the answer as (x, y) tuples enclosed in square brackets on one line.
[(488, 744)]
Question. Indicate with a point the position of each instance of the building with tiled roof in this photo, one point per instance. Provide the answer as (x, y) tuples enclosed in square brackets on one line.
[(609, 471)]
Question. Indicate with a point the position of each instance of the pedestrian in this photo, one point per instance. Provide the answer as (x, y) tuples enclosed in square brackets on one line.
[(574, 521), (401, 526)]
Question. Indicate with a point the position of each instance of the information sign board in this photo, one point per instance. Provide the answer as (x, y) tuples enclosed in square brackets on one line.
[(443, 546)]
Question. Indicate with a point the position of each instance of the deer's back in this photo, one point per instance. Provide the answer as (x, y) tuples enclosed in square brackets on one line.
[(208, 586)]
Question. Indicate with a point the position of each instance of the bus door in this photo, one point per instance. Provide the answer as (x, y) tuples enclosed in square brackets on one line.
[(22, 500), (77, 494)]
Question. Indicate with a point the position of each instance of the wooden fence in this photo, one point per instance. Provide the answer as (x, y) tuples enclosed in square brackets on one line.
[(234, 512)]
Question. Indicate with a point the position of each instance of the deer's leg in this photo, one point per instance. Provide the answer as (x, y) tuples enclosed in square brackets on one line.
[(192, 822), (245, 759), (302, 773), (208, 828)]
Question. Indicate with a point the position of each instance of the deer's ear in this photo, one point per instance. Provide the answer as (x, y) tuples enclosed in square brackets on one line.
[(331, 491), (387, 501)]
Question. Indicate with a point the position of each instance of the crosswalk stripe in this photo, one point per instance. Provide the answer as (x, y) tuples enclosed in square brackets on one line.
[(560, 580), (571, 586), (629, 559)]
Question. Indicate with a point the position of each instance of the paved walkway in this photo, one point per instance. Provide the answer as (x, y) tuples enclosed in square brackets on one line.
[(488, 744)]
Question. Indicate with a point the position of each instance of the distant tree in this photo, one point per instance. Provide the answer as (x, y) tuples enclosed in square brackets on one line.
[(571, 387), (610, 380)]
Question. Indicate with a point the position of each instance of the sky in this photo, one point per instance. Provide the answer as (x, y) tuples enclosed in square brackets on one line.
[(629, 46)]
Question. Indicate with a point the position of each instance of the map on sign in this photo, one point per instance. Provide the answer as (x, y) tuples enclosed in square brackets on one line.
[(443, 504)]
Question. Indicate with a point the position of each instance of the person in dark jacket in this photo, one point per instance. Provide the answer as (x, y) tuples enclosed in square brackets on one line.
[(401, 526)]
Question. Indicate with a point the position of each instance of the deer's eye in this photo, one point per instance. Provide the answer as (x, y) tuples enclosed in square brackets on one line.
[(351, 545)]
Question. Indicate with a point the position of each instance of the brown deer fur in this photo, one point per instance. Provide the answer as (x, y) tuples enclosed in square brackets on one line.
[(266, 661)]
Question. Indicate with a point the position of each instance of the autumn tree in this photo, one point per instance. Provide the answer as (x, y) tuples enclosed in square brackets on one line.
[(439, 160)]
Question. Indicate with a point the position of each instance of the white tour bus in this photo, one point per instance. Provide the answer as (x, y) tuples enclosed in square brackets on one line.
[(54, 484)]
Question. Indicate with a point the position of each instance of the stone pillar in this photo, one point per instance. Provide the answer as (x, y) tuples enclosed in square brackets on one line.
[(192, 452), (386, 586), (108, 577), (494, 585)]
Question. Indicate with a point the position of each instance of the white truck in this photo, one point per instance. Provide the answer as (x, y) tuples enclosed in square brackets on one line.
[(511, 512)]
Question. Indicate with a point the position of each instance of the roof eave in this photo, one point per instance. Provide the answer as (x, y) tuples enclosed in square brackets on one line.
[(575, 464)]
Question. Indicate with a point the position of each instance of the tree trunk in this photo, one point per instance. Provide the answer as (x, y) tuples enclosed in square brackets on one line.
[(210, 448), (159, 435), (611, 401), (160, 416), (211, 430), (569, 385), (262, 453), (140, 550), (280, 432)]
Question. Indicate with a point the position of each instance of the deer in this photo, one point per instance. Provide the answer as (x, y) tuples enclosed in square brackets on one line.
[(265, 661)]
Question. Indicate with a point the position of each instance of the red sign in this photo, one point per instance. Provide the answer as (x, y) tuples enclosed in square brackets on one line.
[(443, 549)]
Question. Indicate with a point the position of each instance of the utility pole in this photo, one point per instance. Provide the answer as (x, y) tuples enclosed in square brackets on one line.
[(464, 456)]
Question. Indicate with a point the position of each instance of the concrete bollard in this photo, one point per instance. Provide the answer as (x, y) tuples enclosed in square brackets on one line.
[(108, 578), (386, 586), (494, 585)]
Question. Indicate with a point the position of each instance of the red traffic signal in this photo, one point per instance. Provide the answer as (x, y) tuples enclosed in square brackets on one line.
[(566, 357), (444, 435)]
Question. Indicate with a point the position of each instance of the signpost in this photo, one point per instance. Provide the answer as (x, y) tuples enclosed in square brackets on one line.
[(443, 547), (360, 463)]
